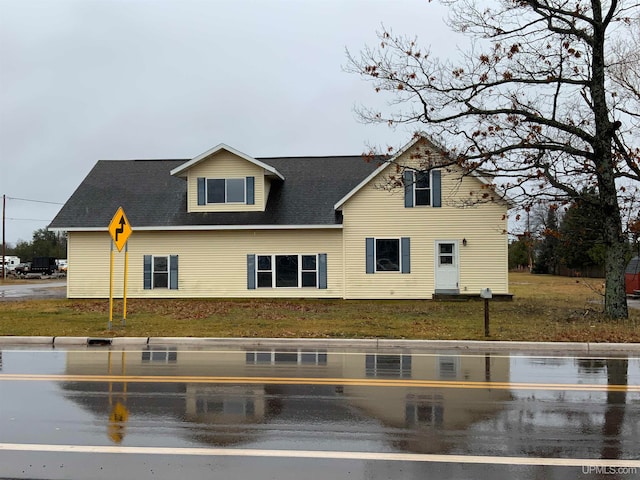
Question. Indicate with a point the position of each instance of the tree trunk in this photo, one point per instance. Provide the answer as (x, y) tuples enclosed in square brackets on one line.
[(615, 297)]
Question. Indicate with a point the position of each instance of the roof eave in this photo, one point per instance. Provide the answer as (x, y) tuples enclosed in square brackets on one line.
[(509, 201), (377, 171), (180, 171), (174, 228)]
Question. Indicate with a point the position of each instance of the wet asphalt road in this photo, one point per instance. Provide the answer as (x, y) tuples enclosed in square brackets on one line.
[(33, 289), (172, 412)]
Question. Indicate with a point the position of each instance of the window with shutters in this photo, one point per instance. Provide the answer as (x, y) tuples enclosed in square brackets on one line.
[(160, 271), (424, 410), (212, 191), (225, 190), (380, 365), (287, 271), (422, 189), (388, 255)]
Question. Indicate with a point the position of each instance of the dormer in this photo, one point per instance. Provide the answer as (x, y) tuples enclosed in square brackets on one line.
[(223, 179)]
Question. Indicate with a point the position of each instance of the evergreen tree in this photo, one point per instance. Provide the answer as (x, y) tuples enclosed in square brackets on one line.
[(581, 231), (519, 253), (548, 258), (44, 244)]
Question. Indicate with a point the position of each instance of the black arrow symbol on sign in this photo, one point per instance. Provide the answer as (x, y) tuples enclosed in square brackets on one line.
[(121, 229)]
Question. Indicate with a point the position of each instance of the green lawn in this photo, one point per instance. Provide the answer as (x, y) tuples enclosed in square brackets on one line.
[(544, 308)]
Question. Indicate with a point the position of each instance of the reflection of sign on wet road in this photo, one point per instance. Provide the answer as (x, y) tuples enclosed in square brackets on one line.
[(119, 413), (117, 419)]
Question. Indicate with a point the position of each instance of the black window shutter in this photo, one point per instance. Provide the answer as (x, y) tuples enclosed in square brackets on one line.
[(147, 272), (173, 272), (202, 199), (406, 254), (251, 271), (251, 186), (322, 270), (407, 177), (436, 187), (371, 264)]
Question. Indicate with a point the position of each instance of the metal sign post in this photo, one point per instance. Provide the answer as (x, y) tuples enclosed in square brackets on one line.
[(124, 288), (486, 294), (110, 288), (120, 230)]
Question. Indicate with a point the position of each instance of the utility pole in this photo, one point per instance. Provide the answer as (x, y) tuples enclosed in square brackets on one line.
[(4, 244)]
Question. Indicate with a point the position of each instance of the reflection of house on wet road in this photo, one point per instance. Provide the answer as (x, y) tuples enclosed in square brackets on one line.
[(408, 418), (428, 413)]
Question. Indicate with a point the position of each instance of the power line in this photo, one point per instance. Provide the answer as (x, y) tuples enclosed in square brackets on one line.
[(34, 201), (30, 219)]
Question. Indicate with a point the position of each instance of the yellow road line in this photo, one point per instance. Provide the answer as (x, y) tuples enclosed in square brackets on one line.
[(323, 454), (373, 382)]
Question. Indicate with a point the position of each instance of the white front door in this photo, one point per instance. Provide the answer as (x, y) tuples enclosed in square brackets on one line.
[(446, 269)]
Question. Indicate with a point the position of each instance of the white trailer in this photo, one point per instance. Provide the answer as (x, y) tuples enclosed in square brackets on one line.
[(11, 262)]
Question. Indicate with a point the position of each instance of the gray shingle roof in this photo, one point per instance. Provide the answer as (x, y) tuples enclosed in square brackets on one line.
[(151, 197)]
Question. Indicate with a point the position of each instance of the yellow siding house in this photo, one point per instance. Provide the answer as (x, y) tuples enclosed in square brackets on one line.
[(225, 224)]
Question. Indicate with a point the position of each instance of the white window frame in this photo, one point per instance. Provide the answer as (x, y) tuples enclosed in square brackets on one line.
[(226, 191), (303, 357), (417, 405), (415, 188), (153, 271), (453, 254), (403, 369), (448, 367), (160, 355), (273, 257), (375, 254)]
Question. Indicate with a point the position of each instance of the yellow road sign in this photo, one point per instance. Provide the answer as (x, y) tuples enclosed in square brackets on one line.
[(120, 229)]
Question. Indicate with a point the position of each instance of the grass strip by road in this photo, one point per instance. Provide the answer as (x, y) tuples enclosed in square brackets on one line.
[(545, 308)]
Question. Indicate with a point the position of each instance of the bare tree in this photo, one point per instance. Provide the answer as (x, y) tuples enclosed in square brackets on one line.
[(545, 99)]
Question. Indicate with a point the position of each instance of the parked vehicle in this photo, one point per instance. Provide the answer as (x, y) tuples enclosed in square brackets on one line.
[(22, 268), (44, 265)]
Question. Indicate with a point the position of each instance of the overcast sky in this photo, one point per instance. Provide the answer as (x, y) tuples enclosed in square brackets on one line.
[(84, 80)]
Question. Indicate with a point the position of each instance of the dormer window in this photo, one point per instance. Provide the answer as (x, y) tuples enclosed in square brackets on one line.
[(226, 190)]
